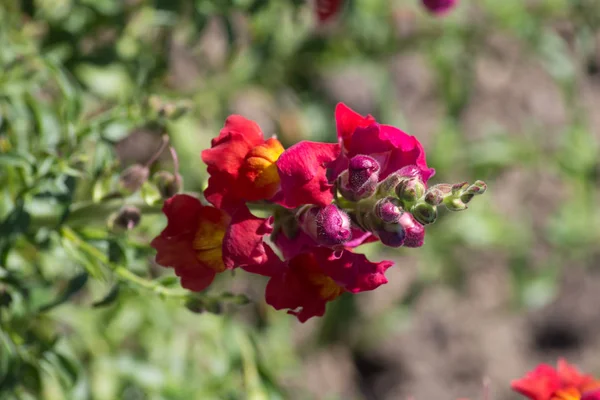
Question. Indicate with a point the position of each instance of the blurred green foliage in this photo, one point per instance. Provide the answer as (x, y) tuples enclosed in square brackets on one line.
[(84, 312)]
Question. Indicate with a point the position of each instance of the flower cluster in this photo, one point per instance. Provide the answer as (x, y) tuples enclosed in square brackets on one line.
[(563, 383), (327, 9), (325, 199)]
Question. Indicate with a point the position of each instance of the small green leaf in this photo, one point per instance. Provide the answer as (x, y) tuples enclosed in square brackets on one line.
[(74, 285), (109, 298)]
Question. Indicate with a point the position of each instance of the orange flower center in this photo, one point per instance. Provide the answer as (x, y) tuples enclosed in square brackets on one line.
[(259, 172), (567, 394), (328, 289), (208, 241)]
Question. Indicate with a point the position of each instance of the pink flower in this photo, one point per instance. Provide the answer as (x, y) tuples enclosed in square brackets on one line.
[(390, 146)]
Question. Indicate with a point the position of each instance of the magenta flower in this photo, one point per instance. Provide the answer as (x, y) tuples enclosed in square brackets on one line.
[(439, 7)]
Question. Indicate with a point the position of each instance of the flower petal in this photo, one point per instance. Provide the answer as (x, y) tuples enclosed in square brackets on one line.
[(538, 384), (226, 157), (352, 271), (192, 241), (390, 146), (303, 174), (347, 120), (244, 246)]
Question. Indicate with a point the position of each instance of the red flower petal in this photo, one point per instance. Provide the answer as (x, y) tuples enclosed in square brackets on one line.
[(302, 288), (354, 272), (347, 120), (538, 384), (592, 395), (302, 170), (311, 279), (226, 157), (192, 241), (243, 244), (326, 9)]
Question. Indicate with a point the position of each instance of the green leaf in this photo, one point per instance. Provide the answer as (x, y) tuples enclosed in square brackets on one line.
[(74, 285), (109, 298)]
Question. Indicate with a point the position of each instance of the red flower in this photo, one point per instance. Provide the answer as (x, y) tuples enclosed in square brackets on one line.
[(391, 147), (327, 9), (201, 241), (241, 165), (439, 6), (303, 172), (563, 383), (308, 281)]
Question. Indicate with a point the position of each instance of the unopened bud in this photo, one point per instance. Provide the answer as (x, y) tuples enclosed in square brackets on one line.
[(424, 213), (127, 218), (133, 177), (415, 232), (360, 180), (455, 204), (387, 187), (392, 235), (388, 210), (479, 187), (409, 190), (328, 226), (168, 184), (434, 196)]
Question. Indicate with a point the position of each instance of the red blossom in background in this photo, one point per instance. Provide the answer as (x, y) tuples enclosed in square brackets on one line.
[(327, 9), (439, 7), (563, 383)]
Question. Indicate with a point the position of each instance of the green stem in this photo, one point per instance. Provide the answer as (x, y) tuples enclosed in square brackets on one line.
[(123, 273), (88, 213)]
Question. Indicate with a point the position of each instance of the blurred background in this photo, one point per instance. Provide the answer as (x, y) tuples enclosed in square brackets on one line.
[(504, 91)]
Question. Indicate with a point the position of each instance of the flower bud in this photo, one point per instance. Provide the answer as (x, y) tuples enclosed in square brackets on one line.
[(328, 226), (479, 187), (424, 213), (434, 196), (415, 232), (359, 181), (127, 218), (392, 235), (455, 203), (168, 184), (410, 189), (388, 210), (132, 178)]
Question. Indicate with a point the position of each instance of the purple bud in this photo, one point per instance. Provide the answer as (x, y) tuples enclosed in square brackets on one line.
[(127, 218), (439, 7), (409, 171), (415, 232), (360, 180), (328, 226), (333, 226), (392, 235), (388, 210)]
